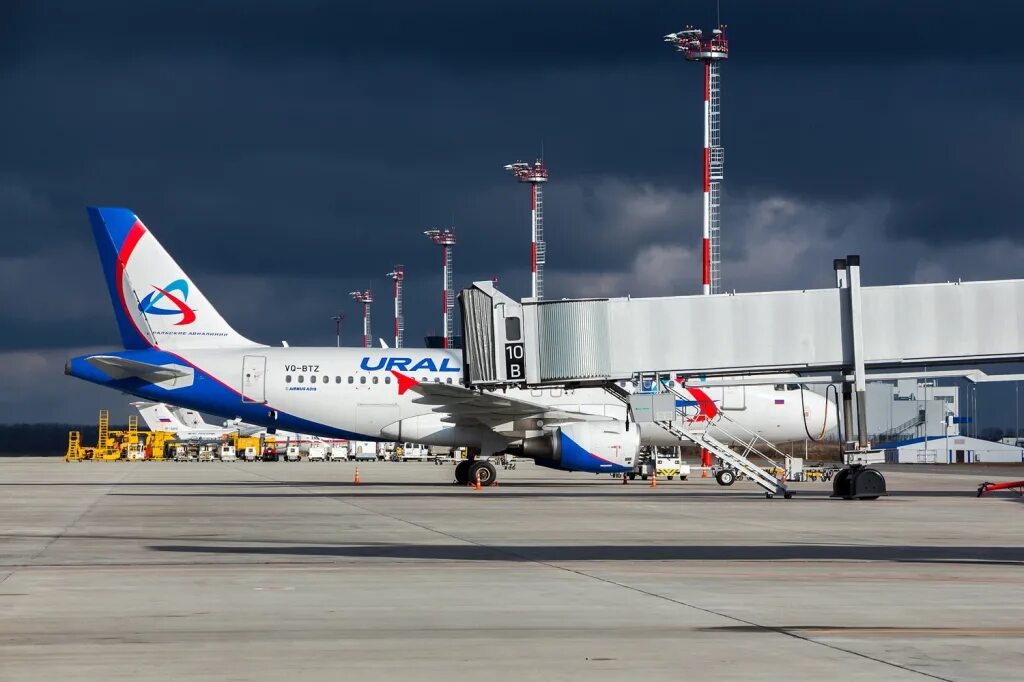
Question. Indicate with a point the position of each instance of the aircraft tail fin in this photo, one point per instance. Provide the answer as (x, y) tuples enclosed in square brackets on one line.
[(156, 304), (190, 417), (159, 417)]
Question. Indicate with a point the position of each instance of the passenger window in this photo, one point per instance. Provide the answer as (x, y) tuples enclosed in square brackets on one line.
[(301, 378), (312, 378), (424, 380), (449, 380), (326, 379), (287, 378), (387, 380), (362, 380), (376, 380), (337, 380), (351, 380)]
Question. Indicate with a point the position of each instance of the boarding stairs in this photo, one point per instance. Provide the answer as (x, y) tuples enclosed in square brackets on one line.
[(897, 432), (754, 451)]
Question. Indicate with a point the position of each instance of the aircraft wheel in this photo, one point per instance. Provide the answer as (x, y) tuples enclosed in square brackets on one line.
[(462, 472), (632, 476), (485, 470), (725, 477)]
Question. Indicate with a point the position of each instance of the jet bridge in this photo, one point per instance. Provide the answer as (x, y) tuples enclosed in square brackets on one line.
[(846, 329), (593, 341)]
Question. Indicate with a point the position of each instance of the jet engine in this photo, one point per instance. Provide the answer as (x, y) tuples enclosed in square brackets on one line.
[(595, 446)]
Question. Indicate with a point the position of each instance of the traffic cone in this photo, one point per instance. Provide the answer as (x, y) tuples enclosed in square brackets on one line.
[(356, 479), (477, 485), (654, 480)]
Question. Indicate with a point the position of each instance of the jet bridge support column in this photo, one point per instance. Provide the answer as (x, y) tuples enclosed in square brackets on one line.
[(843, 283), (857, 332), (856, 481)]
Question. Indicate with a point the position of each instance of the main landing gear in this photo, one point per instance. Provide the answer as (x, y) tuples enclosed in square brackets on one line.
[(467, 471)]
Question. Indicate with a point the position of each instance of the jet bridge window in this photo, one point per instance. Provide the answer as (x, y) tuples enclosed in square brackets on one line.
[(513, 329)]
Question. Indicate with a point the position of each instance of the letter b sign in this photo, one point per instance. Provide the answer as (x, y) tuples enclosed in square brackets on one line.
[(515, 364)]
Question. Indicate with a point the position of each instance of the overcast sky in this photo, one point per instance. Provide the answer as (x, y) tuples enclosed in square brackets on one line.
[(287, 153)]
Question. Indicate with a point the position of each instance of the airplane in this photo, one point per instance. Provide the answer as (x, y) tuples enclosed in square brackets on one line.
[(179, 350), (186, 424), (189, 425)]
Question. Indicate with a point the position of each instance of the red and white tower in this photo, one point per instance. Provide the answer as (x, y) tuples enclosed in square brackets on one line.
[(366, 298), (710, 51), (445, 238), (398, 276), (536, 175)]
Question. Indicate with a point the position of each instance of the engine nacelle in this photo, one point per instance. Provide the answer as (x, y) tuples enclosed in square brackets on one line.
[(598, 446)]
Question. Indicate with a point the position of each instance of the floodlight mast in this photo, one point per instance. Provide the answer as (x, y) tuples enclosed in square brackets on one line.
[(445, 238), (535, 174), (398, 277), (709, 51), (365, 297)]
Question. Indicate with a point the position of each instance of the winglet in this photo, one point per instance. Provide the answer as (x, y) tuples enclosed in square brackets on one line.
[(404, 382)]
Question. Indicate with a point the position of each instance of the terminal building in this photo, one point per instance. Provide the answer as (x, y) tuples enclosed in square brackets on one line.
[(917, 422)]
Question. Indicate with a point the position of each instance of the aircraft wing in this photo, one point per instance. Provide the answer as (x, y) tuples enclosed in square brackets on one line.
[(121, 368), (466, 407)]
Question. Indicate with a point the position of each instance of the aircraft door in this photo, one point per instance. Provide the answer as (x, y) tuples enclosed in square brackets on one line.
[(734, 397), (254, 370)]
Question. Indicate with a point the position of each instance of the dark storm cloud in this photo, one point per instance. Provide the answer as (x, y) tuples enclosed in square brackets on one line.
[(287, 153), (468, 34)]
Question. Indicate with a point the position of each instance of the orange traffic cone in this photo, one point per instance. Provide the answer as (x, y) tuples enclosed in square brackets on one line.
[(356, 479), (654, 480), (477, 485)]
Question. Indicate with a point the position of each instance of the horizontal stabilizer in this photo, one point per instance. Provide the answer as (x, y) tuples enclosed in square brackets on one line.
[(120, 368)]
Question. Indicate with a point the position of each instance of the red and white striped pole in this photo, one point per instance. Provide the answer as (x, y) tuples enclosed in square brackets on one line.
[(707, 180), (445, 238), (366, 298), (366, 324), (446, 274), (534, 188), (398, 276)]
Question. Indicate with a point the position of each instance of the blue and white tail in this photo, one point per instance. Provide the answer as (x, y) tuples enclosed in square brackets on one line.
[(155, 302)]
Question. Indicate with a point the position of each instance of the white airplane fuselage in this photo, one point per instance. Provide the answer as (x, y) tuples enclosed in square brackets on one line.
[(351, 393)]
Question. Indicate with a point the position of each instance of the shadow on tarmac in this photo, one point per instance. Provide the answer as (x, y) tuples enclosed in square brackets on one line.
[(557, 553)]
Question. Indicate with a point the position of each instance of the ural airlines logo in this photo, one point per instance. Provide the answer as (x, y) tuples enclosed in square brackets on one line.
[(149, 305), (406, 364)]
